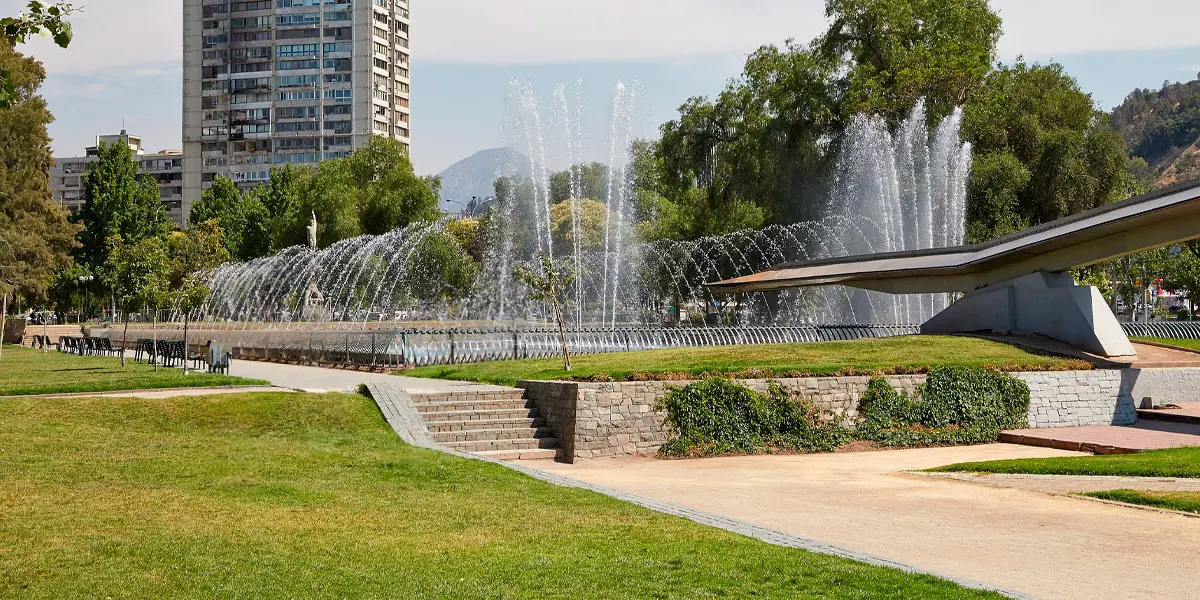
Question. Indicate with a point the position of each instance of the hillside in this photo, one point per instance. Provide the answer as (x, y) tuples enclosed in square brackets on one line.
[(474, 175), (1162, 128)]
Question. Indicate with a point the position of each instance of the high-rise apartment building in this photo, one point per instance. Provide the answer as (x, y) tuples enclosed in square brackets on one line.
[(273, 82), (165, 168)]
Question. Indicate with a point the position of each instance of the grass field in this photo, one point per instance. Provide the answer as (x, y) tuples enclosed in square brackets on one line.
[(903, 354), (1189, 344), (1181, 501), (1176, 462), (313, 496), (25, 371)]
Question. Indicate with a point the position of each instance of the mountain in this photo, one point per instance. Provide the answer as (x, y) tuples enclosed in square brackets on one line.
[(1161, 129), (473, 176)]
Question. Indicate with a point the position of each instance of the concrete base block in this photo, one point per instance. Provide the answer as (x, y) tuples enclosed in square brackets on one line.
[(1048, 304)]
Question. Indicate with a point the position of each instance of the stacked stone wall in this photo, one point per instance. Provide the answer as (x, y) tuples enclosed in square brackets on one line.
[(595, 420)]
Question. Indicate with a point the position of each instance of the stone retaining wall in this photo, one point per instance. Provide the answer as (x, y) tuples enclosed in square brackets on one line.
[(593, 420)]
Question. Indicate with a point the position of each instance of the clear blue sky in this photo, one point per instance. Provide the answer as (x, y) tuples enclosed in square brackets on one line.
[(125, 62)]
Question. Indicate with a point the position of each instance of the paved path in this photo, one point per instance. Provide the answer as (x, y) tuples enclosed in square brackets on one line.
[(1145, 435), (1071, 484), (1043, 545), (317, 379)]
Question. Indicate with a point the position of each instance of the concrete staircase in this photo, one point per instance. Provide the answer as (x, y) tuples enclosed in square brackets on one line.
[(497, 423)]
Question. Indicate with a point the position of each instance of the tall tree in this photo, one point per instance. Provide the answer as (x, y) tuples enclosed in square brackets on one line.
[(281, 198), (193, 255), (35, 236), (243, 218), (1042, 151), (119, 201), (139, 276)]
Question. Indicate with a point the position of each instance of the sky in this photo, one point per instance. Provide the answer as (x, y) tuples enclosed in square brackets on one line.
[(124, 65)]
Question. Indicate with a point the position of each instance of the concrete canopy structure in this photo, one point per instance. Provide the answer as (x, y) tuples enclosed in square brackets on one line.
[(996, 274)]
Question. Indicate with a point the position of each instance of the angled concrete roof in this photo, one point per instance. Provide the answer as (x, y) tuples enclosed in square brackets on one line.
[(1167, 216)]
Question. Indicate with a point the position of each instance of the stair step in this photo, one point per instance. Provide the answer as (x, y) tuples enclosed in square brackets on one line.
[(487, 435), (437, 407), (469, 396), (1170, 417), (535, 454), (477, 424), (521, 444), (495, 414)]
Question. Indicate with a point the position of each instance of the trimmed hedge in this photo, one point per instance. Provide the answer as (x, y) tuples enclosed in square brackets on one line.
[(955, 405)]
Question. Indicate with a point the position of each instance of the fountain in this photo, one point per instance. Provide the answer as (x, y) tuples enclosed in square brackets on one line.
[(891, 192)]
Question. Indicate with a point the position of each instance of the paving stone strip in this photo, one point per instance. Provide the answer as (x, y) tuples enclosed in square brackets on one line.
[(396, 406), (1070, 484)]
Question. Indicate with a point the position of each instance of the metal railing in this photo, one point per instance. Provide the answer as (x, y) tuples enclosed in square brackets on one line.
[(413, 348), (1172, 330)]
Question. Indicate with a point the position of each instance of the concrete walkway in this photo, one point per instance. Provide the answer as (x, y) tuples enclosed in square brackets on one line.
[(1071, 484), (1048, 546), (317, 379)]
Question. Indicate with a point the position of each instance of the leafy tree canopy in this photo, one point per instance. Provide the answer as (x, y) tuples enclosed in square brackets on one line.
[(119, 201), (244, 219), (38, 18)]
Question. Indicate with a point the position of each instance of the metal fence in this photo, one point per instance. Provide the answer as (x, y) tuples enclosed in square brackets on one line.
[(412, 348), (1172, 330)]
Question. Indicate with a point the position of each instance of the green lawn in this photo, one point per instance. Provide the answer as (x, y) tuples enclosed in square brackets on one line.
[(1176, 462), (901, 354), (281, 495), (1181, 501), (25, 371), (1189, 344)]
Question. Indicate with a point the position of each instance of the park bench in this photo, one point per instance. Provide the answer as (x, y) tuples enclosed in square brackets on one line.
[(218, 359), (42, 342)]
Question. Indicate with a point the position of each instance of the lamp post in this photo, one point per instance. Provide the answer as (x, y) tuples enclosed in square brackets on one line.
[(84, 280)]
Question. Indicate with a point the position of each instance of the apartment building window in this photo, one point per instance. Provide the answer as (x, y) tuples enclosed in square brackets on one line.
[(251, 83), (215, 130), (213, 24), (296, 112), (250, 114), (251, 36), (338, 126), (251, 67), (213, 10), (338, 16), (337, 109), (213, 71), (380, 126), (213, 147), (381, 95), (216, 115), (402, 87), (296, 50), (381, 111), (402, 132), (284, 159), (402, 42), (249, 22), (292, 65), (381, 49), (250, 176), (337, 78), (338, 140), (334, 155), (402, 27), (252, 146), (284, 81), (380, 17), (251, 53), (253, 159), (299, 143), (402, 101), (337, 64), (339, 33), (221, 85), (338, 47), (248, 6), (296, 34), (381, 81), (215, 161), (216, 54), (252, 128), (401, 57), (298, 95), (381, 3), (381, 64), (401, 117), (291, 3), (401, 72), (292, 126), (250, 98), (214, 40), (297, 19), (338, 95)]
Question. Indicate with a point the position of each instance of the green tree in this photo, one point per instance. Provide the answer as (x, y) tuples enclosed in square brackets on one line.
[(244, 219), (547, 282), (119, 201), (193, 255), (1042, 151), (897, 52), (590, 181), (39, 18), (281, 197), (36, 238), (442, 269), (139, 276)]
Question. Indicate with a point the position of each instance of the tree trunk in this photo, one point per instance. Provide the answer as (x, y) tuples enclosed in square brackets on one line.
[(562, 335), (3, 322), (124, 339), (154, 340), (185, 342)]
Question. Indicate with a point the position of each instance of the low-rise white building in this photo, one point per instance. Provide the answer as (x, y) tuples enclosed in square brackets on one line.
[(165, 168)]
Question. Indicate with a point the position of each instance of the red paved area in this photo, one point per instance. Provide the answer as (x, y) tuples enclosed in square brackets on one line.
[(1146, 435)]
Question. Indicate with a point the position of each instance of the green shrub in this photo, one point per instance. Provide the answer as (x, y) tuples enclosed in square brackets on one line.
[(719, 416), (955, 405)]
